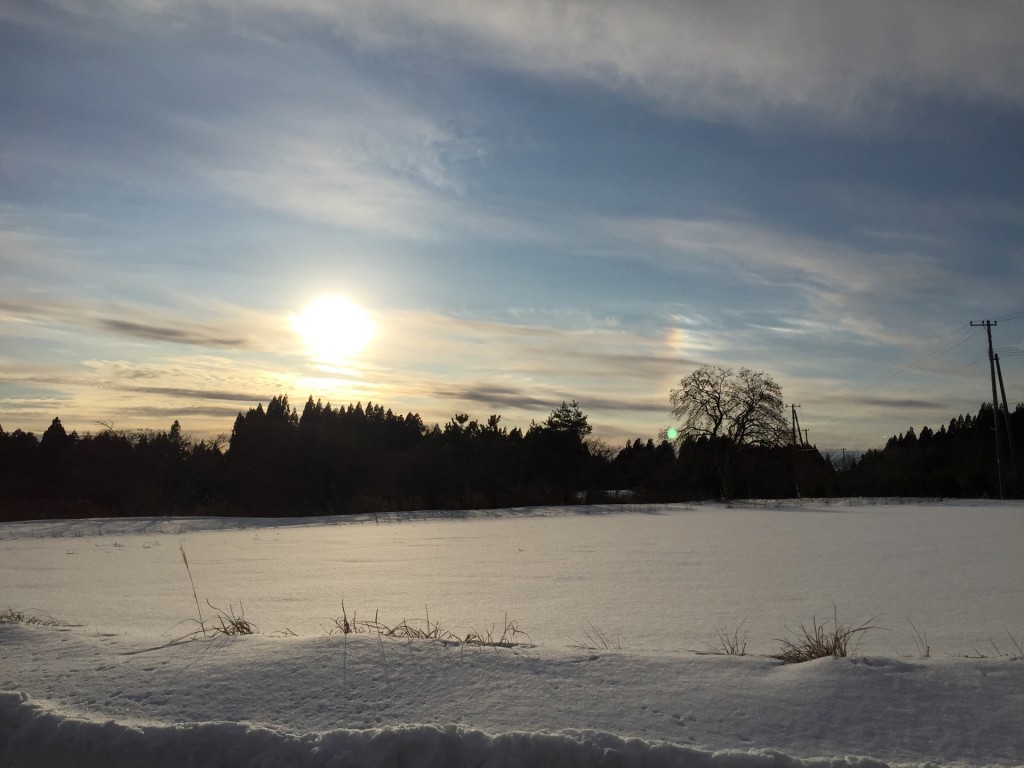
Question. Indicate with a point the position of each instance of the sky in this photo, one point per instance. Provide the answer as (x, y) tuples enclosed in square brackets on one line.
[(531, 202)]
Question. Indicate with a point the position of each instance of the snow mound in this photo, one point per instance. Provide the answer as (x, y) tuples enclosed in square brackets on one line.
[(30, 735)]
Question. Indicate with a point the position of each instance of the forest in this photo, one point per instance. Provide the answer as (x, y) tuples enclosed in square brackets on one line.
[(282, 461)]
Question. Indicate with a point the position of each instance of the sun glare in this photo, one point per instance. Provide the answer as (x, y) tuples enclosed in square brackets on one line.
[(333, 328)]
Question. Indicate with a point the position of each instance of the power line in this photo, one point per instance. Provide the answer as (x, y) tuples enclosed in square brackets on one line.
[(1011, 316), (961, 336)]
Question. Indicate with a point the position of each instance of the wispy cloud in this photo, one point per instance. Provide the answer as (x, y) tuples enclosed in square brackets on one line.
[(200, 394), (904, 403), (343, 174), (143, 325), (844, 61), (200, 337), (522, 399), (838, 289), (495, 396), (832, 61), (523, 365)]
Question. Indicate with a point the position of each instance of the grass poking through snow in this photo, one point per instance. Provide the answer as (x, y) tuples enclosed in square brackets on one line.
[(425, 629), (224, 623), (596, 640), (732, 643), (921, 640), (819, 641), (11, 616)]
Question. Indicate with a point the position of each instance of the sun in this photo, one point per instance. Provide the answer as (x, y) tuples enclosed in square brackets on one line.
[(333, 328)]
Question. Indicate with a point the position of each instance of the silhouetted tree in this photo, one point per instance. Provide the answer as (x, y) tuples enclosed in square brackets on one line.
[(55, 459), (558, 453), (730, 410)]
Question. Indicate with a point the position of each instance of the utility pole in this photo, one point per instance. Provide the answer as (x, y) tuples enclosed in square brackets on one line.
[(1006, 420), (987, 325), (796, 426)]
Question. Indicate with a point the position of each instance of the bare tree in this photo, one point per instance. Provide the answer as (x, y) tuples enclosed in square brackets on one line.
[(731, 410), (745, 408)]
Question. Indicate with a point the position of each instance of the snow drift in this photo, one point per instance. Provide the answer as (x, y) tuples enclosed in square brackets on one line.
[(30, 737)]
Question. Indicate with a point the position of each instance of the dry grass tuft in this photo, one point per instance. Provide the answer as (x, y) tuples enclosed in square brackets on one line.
[(921, 640), (1016, 643), (342, 625), (998, 653), (508, 638), (227, 623), (11, 616), (425, 629), (224, 623), (819, 642), (729, 643), (596, 640)]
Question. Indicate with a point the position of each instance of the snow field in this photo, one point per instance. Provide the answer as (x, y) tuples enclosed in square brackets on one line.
[(117, 690)]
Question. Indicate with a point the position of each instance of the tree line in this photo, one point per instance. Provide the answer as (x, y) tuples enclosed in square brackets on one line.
[(956, 460), (732, 441)]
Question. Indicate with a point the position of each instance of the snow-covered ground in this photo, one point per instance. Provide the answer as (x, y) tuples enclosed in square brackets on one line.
[(615, 601)]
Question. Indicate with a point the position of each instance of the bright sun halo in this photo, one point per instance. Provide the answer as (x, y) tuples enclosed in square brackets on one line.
[(333, 328)]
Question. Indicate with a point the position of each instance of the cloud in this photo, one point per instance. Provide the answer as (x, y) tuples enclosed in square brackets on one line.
[(566, 346), (838, 62), (329, 180), (795, 284), (757, 254), (501, 396), (907, 403), (832, 61), (495, 396), (208, 389), (280, 121), (25, 316), (222, 415), (521, 365), (177, 334), (200, 394)]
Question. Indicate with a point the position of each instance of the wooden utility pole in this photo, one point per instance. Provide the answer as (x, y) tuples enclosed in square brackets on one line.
[(987, 325), (797, 435), (1006, 420)]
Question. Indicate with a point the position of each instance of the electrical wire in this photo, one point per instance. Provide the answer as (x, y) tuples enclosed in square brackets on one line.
[(1011, 316), (961, 336), (964, 334)]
